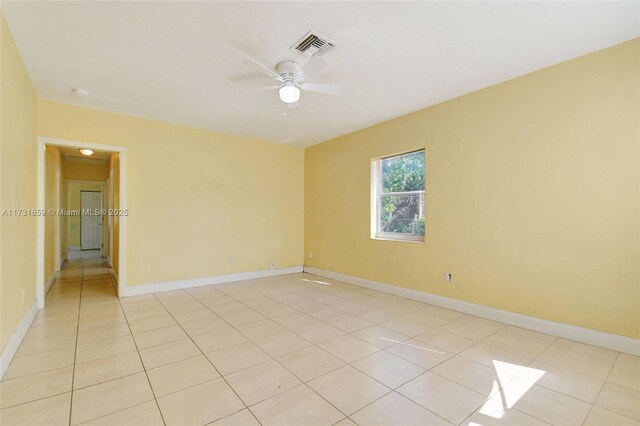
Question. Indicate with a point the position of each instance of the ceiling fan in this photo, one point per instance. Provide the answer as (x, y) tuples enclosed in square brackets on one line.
[(291, 77)]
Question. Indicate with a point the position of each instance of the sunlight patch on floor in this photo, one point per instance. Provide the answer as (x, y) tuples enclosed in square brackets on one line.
[(519, 379), (316, 281)]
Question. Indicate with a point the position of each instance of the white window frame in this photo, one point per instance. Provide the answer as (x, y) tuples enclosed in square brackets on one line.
[(376, 196)]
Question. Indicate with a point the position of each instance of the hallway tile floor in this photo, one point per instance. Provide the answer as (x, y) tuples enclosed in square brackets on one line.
[(297, 350)]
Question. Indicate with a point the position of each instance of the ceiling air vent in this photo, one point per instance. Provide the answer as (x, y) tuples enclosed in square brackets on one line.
[(312, 44)]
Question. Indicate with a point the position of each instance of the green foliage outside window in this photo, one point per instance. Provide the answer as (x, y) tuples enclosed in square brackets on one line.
[(402, 198)]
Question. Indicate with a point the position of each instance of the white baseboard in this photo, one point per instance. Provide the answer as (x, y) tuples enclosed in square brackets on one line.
[(49, 282), (198, 282), (14, 343), (74, 248), (580, 334)]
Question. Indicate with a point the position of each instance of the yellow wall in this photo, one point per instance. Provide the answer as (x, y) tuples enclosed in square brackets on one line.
[(195, 197), (532, 196), (53, 177), (17, 186), (73, 203), (86, 171)]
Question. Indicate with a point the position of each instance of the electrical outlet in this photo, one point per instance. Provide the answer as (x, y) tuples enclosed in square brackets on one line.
[(232, 260), (272, 265), (310, 255), (448, 278)]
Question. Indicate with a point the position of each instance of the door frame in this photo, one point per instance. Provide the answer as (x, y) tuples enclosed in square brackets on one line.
[(103, 189), (40, 249), (58, 248), (109, 253), (101, 192)]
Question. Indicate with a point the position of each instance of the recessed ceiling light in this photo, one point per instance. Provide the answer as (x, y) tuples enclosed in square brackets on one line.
[(86, 152), (80, 92)]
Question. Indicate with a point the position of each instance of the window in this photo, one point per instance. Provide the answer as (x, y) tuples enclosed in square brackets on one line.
[(398, 197)]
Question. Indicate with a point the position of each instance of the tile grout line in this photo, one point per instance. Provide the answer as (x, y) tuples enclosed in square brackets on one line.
[(232, 414), (302, 382), (75, 353), (205, 355), (144, 368), (316, 345), (536, 384), (115, 412), (395, 390), (97, 359), (37, 399), (272, 358), (600, 390), (533, 359), (39, 372), (503, 326), (508, 381), (561, 393)]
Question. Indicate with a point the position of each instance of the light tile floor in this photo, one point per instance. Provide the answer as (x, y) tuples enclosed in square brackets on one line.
[(295, 350)]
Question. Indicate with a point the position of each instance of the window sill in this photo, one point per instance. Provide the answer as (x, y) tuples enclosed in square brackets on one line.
[(397, 240)]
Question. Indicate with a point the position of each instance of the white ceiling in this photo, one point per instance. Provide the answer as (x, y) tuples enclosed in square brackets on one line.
[(182, 62)]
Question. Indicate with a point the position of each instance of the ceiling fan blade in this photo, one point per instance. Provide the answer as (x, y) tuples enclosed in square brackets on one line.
[(264, 88), (265, 70), (313, 65), (322, 88)]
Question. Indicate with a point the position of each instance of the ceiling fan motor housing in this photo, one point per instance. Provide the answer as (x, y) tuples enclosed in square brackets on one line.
[(289, 71)]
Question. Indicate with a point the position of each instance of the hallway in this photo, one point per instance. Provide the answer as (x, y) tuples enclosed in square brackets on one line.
[(292, 350), (81, 309)]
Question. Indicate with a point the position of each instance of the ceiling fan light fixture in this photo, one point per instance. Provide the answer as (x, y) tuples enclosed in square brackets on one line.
[(87, 152), (289, 93)]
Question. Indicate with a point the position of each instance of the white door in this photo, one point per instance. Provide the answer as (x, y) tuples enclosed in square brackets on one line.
[(91, 222)]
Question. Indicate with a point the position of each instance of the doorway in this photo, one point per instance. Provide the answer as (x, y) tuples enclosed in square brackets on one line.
[(91, 220), (106, 241)]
